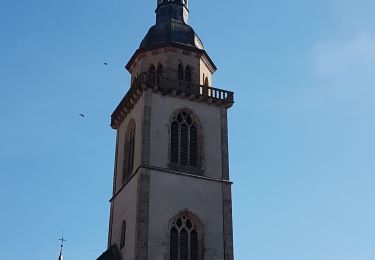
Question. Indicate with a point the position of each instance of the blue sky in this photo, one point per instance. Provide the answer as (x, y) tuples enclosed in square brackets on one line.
[(302, 130)]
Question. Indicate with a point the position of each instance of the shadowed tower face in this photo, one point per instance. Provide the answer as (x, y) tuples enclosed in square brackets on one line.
[(171, 193)]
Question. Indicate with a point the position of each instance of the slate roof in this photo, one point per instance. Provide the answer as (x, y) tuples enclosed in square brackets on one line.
[(171, 27), (171, 32), (111, 254)]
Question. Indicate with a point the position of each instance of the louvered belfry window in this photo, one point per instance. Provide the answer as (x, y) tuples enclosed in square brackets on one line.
[(184, 140), (183, 240), (129, 151)]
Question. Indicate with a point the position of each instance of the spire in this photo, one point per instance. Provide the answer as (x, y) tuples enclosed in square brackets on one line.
[(171, 27), (172, 10), (61, 253), (61, 247)]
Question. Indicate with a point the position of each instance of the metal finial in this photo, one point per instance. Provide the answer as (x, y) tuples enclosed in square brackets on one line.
[(63, 240)]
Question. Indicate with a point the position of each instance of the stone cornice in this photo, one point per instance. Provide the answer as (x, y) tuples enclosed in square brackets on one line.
[(138, 54), (175, 88), (166, 170)]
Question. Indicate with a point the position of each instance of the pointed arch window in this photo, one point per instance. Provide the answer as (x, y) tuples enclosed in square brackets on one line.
[(206, 83), (180, 72), (152, 73), (159, 73), (129, 151), (188, 74), (185, 240), (185, 139), (123, 234)]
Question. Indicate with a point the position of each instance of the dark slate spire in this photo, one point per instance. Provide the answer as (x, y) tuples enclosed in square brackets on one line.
[(61, 253), (61, 247), (171, 26)]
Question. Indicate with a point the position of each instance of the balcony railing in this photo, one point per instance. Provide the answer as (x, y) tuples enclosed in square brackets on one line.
[(173, 87)]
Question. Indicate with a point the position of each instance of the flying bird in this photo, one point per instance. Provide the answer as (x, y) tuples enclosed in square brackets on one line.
[(105, 63), (82, 115)]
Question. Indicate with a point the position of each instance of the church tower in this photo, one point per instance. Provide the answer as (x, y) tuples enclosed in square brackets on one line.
[(171, 191)]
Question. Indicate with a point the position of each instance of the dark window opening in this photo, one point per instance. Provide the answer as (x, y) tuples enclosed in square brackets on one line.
[(123, 234), (180, 72), (193, 146), (206, 83), (173, 244), (184, 245), (188, 74), (184, 140), (129, 151), (193, 245), (183, 240), (174, 142), (159, 74), (152, 73)]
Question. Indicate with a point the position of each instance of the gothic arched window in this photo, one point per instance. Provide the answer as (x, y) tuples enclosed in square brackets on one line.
[(180, 72), (185, 139), (152, 73), (206, 83), (159, 73), (159, 70), (185, 239), (188, 74), (123, 234), (129, 151)]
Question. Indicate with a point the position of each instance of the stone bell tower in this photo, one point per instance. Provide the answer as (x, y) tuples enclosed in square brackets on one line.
[(171, 192)]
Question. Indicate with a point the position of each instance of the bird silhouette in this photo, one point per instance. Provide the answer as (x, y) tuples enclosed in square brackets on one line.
[(105, 63), (82, 115)]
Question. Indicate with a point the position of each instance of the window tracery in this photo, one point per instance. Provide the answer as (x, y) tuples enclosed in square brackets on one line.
[(185, 240), (185, 139)]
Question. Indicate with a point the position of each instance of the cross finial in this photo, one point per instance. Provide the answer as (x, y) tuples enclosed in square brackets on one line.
[(62, 240)]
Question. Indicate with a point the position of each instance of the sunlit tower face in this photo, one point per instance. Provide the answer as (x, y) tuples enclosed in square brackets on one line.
[(171, 193)]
